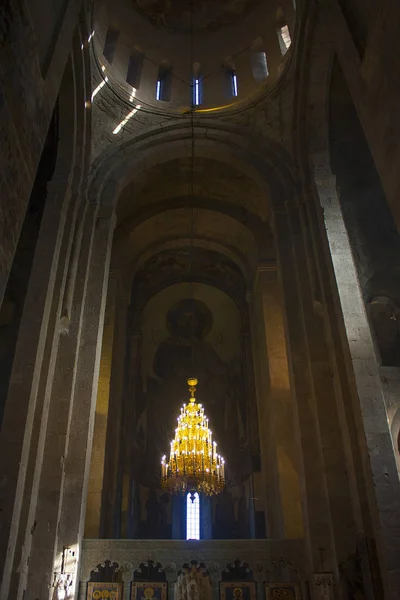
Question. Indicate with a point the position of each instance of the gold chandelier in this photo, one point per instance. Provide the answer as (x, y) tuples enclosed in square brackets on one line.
[(194, 464)]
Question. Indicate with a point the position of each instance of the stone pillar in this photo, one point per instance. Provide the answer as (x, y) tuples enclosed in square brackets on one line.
[(95, 488), (132, 379), (148, 81), (21, 443), (127, 590), (114, 448), (215, 577), (252, 416), (316, 509), (269, 474), (282, 451), (60, 387), (244, 74), (371, 430), (77, 462), (171, 580), (343, 502), (82, 594)]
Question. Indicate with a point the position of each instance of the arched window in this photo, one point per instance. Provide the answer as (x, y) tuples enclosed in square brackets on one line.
[(284, 39), (197, 91), (192, 516), (234, 83), (259, 65), (110, 44), (163, 85)]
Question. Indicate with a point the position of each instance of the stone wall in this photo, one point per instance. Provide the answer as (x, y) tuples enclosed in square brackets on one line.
[(27, 100)]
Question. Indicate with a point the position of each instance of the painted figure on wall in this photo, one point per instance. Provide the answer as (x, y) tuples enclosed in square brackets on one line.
[(220, 389), (181, 338)]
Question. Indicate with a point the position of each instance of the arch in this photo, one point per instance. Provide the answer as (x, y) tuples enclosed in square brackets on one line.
[(267, 161), (208, 225), (182, 242), (168, 175), (258, 228), (185, 264)]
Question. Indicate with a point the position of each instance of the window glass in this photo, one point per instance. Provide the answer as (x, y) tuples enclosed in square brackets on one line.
[(192, 516)]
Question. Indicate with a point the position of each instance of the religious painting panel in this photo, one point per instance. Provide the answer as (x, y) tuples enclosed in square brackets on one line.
[(282, 591), (149, 591), (237, 590), (104, 591)]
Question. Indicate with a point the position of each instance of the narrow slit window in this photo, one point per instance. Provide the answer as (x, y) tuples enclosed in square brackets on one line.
[(192, 516), (234, 83), (284, 39), (197, 91), (259, 66), (110, 45), (163, 85)]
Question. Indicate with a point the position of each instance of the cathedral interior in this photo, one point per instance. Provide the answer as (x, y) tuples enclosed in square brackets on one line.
[(199, 240)]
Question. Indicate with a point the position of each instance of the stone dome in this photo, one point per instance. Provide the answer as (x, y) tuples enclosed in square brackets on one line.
[(208, 15), (234, 48)]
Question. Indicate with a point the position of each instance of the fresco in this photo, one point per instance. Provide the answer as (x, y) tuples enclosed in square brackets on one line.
[(209, 15), (190, 341)]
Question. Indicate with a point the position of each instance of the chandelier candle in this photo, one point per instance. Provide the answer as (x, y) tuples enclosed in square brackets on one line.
[(194, 464)]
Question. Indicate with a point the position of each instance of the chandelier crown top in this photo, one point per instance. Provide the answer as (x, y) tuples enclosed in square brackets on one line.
[(192, 382)]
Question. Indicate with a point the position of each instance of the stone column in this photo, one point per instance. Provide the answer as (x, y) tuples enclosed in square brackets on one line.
[(131, 379), (148, 81), (215, 577), (171, 580), (77, 462), (269, 474), (115, 440), (244, 74), (316, 509), (82, 593), (343, 503), (252, 415), (56, 440), (20, 437), (127, 590), (366, 403), (97, 463), (279, 420)]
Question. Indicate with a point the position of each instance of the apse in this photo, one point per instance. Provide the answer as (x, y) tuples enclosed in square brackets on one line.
[(169, 356)]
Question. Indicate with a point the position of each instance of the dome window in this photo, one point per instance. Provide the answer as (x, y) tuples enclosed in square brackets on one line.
[(259, 66), (197, 91), (234, 83), (163, 86), (284, 39), (110, 45), (230, 80)]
